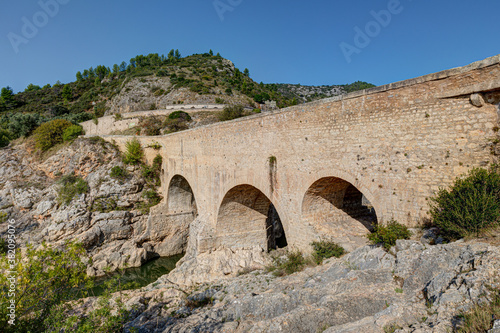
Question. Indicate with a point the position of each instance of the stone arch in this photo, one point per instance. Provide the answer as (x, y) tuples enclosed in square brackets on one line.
[(180, 197), (247, 218), (338, 210)]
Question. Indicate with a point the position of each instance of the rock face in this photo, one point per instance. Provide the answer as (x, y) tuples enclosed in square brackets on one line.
[(114, 234), (418, 288)]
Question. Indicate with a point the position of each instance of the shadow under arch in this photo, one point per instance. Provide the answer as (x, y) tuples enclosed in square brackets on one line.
[(180, 197), (247, 218), (337, 210)]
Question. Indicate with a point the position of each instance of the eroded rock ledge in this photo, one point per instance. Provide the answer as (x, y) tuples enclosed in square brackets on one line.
[(419, 287)]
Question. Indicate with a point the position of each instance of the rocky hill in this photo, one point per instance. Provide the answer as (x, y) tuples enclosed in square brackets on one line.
[(309, 93), (148, 83)]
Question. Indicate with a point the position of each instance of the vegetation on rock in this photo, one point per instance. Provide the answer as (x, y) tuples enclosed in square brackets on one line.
[(134, 153), (470, 207), (70, 185), (388, 234), (50, 133), (326, 249)]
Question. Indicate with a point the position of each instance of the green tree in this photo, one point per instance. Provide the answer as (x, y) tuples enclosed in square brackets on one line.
[(123, 66), (116, 69), (67, 93), (211, 52), (32, 87), (7, 98), (246, 72), (79, 76), (171, 55), (177, 54)]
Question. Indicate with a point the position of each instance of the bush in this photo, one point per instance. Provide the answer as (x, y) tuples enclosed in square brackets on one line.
[(232, 112), (293, 262), (134, 153), (470, 207), (47, 277), (180, 115), (47, 280), (175, 125), (23, 124), (119, 173), (5, 137), (72, 132), (326, 249), (50, 133), (70, 186), (388, 234), (150, 126)]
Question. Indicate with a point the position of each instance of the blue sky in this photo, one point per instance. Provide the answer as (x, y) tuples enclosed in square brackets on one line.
[(277, 40)]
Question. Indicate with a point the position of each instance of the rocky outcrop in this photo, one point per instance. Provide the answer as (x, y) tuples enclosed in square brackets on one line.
[(104, 219), (416, 288)]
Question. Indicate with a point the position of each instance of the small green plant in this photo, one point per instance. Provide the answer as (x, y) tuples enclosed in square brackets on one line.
[(70, 186), (326, 249), (155, 146), (50, 133), (398, 290), (152, 199), (117, 172), (72, 132), (388, 234), (470, 207), (118, 116), (104, 205), (134, 153), (293, 262)]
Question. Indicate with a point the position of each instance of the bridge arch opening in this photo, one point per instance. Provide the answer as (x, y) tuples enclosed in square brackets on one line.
[(247, 218), (337, 210), (180, 197)]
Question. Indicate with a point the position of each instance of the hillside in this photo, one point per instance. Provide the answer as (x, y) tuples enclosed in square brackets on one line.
[(309, 93), (146, 83)]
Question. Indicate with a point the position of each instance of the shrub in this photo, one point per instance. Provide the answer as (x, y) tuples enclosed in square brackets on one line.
[(5, 137), (150, 126), (326, 249), (134, 153), (293, 262), (388, 234), (470, 207), (72, 132), (50, 133), (23, 124), (232, 112), (47, 277), (70, 186), (118, 172), (180, 115), (175, 125)]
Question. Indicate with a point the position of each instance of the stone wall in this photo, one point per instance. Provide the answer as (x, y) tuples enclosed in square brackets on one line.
[(108, 124), (396, 144)]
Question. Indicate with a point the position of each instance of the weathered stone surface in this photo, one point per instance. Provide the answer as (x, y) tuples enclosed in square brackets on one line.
[(356, 293)]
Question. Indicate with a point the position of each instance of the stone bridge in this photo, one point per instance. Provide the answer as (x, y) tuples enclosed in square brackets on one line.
[(330, 168)]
